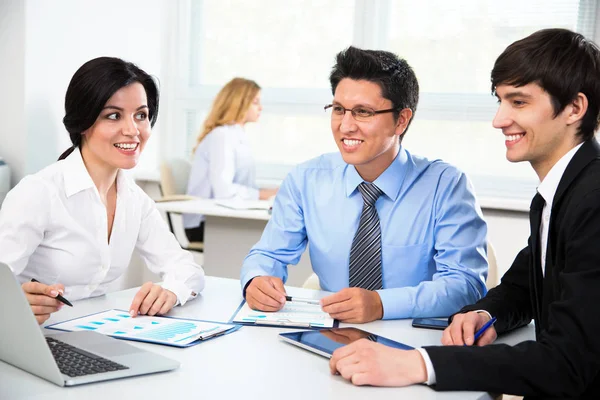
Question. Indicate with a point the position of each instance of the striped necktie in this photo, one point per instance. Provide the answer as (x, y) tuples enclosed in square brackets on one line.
[(365, 254)]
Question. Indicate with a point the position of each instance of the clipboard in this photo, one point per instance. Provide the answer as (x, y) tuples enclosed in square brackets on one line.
[(292, 315), (165, 330)]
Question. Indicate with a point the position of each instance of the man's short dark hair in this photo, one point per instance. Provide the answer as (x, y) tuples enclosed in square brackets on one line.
[(561, 62), (391, 73)]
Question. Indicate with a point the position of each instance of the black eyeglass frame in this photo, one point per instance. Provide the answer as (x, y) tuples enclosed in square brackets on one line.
[(375, 112)]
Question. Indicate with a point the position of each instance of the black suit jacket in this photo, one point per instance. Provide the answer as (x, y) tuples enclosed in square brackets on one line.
[(564, 360)]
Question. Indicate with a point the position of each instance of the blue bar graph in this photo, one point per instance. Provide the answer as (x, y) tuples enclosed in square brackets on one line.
[(168, 332), (89, 328)]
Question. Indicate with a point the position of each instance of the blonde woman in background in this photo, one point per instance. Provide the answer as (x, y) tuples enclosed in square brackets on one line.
[(223, 166)]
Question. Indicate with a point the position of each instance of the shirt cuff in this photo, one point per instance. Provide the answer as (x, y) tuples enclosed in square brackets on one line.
[(429, 366), (182, 292), (485, 312), (396, 304)]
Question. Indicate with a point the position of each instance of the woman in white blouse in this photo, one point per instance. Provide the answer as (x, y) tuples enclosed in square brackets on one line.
[(74, 225), (223, 166)]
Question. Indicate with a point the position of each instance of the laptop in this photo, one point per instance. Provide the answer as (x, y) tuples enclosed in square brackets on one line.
[(66, 359)]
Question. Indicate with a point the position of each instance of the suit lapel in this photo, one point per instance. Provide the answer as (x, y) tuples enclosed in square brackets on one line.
[(589, 151)]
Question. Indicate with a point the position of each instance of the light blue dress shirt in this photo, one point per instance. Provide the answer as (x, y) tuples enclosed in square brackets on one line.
[(223, 168), (433, 235)]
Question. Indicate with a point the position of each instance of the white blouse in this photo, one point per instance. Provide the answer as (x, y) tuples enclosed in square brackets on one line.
[(223, 168), (53, 227)]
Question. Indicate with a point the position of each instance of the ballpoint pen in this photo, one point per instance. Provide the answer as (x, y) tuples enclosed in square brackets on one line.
[(302, 300), (59, 297), (483, 329)]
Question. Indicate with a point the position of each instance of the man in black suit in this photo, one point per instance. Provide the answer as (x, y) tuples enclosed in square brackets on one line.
[(548, 87)]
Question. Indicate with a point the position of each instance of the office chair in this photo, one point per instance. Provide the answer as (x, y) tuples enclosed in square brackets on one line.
[(174, 175), (492, 280)]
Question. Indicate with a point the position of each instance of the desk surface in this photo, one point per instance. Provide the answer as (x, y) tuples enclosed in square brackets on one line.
[(252, 363), (210, 208)]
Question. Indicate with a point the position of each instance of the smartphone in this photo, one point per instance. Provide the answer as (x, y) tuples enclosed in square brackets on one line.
[(430, 323)]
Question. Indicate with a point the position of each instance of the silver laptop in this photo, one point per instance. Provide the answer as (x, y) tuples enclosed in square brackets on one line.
[(66, 359)]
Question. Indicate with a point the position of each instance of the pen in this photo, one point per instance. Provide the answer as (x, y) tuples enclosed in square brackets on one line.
[(483, 329), (59, 297), (299, 299)]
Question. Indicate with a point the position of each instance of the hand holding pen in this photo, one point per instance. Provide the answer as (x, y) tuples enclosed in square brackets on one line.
[(44, 299), (464, 330), (482, 330)]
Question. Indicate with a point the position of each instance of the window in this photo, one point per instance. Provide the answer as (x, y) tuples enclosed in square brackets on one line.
[(289, 48)]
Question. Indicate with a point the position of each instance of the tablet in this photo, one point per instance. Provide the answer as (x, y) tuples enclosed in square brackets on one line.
[(325, 341)]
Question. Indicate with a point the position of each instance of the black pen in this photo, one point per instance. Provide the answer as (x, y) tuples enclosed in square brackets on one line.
[(309, 301), (59, 297)]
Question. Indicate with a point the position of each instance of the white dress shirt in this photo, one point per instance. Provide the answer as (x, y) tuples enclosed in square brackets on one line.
[(53, 227), (223, 168), (547, 189)]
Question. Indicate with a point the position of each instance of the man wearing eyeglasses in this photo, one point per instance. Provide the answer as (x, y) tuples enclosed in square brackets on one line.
[(394, 235), (548, 90)]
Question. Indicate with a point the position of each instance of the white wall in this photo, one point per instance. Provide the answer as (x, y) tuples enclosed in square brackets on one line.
[(12, 81), (42, 43)]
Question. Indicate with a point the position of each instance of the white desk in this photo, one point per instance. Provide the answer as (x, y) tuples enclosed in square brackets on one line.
[(228, 236), (252, 363)]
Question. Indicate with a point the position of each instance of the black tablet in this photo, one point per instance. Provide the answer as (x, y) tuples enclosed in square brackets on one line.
[(325, 341)]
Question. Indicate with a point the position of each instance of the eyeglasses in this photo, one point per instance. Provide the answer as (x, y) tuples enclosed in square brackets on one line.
[(359, 113)]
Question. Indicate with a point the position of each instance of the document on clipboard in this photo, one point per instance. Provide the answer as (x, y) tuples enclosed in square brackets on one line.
[(170, 331), (292, 315)]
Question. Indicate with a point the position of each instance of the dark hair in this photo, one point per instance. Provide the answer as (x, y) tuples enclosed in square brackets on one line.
[(90, 88), (391, 73), (561, 62)]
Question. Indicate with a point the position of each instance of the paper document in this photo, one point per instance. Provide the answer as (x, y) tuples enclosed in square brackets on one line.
[(293, 314), (162, 330), (244, 204)]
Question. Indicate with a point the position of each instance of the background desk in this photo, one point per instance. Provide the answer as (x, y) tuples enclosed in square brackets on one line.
[(228, 236), (252, 363)]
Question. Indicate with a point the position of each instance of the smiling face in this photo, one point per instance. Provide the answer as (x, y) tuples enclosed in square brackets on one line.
[(120, 132), (532, 132), (371, 145)]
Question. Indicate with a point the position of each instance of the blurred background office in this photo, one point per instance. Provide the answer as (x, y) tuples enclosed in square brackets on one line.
[(195, 46)]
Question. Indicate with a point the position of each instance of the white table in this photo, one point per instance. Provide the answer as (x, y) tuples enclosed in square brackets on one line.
[(229, 235), (252, 363)]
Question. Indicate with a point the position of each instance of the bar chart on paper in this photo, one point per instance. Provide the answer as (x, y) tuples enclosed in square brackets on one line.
[(119, 324)]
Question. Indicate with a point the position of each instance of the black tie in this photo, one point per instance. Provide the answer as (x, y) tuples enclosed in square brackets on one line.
[(365, 254), (535, 219)]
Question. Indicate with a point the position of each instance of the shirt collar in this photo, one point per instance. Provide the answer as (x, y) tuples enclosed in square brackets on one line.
[(75, 174), (77, 178), (389, 181), (548, 186)]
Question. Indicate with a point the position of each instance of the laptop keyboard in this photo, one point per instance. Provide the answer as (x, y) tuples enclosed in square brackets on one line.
[(76, 362)]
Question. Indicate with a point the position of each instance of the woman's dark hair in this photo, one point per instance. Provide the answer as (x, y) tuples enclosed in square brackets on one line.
[(561, 62), (90, 88), (391, 73)]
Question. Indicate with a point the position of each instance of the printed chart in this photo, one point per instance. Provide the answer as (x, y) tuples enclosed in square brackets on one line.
[(118, 323)]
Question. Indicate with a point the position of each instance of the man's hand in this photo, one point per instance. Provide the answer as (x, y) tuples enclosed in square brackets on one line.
[(369, 363), (265, 293), (152, 299), (463, 327), (353, 305), (42, 300)]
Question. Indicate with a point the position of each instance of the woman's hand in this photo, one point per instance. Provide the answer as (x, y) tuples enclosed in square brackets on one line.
[(42, 299), (152, 299)]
